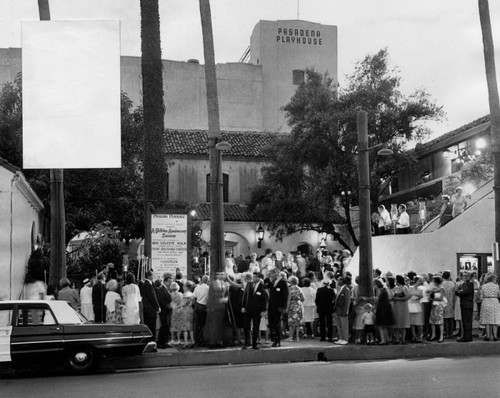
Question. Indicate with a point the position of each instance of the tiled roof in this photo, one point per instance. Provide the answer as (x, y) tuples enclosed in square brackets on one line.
[(9, 166), (195, 143), (236, 212), (232, 212), (455, 136)]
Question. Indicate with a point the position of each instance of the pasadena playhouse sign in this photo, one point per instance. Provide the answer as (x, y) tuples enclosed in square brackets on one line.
[(299, 36)]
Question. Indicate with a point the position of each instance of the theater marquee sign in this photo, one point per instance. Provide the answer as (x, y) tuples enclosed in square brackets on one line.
[(310, 37), (169, 242)]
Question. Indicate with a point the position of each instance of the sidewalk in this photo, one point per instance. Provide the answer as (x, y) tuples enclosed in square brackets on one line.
[(303, 351)]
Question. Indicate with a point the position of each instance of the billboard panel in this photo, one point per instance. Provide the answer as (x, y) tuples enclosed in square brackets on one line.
[(71, 94)]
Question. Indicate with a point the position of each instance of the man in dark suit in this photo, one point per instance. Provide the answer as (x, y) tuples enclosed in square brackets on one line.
[(325, 303), (466, 293), (342, 305), (150, 303), (98, 295), (164, 300), (278, 296), (254, 305)]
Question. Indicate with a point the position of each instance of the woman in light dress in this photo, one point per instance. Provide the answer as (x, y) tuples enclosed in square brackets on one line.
[(113, 303), (295, 308), (132, 298), (490, 307), (416, 311), (187, 313), (439, 302), (176, 322), (309, 306)]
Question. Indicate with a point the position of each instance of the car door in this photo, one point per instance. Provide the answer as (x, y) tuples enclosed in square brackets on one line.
[(36, 336), (6, 311)]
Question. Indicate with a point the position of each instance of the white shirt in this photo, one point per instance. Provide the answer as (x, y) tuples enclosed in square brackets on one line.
[(86, 295), (384, 219), (201, 293), (403, 220)]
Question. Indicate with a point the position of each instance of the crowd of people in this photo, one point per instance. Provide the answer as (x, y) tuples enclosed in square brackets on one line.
[(259, 302)]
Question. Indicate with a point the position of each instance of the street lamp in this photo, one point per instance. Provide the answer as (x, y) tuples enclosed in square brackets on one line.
[(260, 236), (365, 235)]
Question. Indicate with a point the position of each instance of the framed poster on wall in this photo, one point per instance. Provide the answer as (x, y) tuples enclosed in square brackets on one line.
[(170, 242)]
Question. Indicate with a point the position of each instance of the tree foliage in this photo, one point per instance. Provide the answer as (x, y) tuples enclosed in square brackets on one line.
[(102, 245), (311, 168)]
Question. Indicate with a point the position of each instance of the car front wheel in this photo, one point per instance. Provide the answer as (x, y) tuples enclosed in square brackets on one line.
[(82, 360)]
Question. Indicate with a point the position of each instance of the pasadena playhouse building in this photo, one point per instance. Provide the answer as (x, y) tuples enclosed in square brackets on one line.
[(252, 92)]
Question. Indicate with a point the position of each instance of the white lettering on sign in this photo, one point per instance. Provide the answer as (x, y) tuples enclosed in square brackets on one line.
[(299, 36), (169, 243), (5, 332)]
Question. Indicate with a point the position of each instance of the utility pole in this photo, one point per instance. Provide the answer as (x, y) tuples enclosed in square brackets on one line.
[(489, 61), (57, 214), (365, 236)]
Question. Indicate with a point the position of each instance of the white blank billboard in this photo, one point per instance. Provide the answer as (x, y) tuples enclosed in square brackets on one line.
[(71, 94)]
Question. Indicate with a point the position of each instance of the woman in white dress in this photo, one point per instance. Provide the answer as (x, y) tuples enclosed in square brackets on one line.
[(86, 300), (309, 306), (113, 303), (132, 298)]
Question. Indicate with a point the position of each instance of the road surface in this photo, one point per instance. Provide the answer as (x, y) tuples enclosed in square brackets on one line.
[(430, 378)]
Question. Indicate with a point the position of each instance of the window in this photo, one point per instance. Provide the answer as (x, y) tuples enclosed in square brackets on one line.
[(298, 77), (225, 190), (31, 316)]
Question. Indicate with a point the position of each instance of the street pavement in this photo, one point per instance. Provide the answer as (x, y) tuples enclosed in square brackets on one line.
[(303, 351), (415, 378)]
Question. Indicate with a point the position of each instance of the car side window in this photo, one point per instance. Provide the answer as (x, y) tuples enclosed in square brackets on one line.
[(32, 316), (5, 317)]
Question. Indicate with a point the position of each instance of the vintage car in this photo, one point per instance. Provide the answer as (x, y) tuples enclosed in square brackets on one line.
[(39, 332)]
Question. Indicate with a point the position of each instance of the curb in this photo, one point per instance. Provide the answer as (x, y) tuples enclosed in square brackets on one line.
[(235, 356)]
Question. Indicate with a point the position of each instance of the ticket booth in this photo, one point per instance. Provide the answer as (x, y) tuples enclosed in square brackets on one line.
[(480, 263)]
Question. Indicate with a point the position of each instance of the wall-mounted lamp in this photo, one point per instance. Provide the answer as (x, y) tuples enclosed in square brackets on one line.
[(260, 236), (322, 245), (323, 236)]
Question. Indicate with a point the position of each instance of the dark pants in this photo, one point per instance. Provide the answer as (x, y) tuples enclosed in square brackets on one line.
[(199, 320), (274, 319), (150, 321), (325, 321), (164, 333), (427, 313), (467, 322), (98, 314), (403, 231), (254, 319)]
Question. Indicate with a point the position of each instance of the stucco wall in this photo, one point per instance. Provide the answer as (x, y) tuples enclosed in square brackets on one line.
[(19, 224), (245, 235), (239, 90), (187, 179), (276, 46)]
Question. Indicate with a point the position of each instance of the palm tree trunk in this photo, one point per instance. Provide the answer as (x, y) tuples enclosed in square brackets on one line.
[(154, 110)]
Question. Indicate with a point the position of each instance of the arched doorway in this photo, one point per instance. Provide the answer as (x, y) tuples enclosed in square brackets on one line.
[(305, 249)]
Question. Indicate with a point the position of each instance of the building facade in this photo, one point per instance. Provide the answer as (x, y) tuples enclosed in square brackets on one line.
[(20, 226)]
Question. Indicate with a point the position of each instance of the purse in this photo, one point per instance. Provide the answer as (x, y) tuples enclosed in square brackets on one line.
[(414, 307)]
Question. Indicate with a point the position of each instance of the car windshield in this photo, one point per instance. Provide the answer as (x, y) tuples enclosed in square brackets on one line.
[(65, 314)]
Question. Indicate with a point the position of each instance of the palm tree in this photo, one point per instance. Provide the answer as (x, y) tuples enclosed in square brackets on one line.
[(154, 109)]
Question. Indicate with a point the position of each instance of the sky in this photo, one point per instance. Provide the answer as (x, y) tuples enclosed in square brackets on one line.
[(435, 44)]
